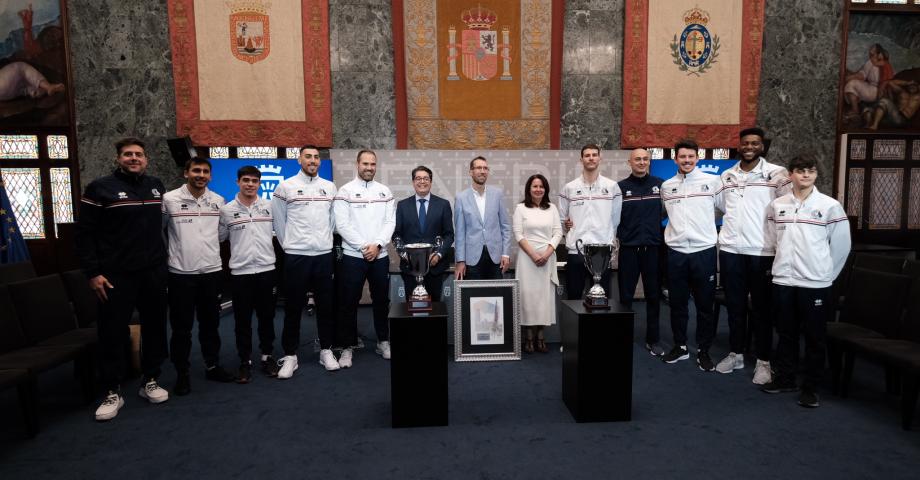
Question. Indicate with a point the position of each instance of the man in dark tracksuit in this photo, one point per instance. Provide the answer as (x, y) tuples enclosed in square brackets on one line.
[(640, 239), (120, 246)]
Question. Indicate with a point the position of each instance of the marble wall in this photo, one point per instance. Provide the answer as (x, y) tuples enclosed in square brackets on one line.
[(121, 59)]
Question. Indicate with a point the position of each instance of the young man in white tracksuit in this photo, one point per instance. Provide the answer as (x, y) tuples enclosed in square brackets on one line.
[(304, 222), (811, 235), (690, 198), (191, 214), (365, 217), (745, 261), (247, 223)]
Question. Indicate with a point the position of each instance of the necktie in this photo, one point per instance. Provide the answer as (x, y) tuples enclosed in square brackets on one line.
[(422, 214)]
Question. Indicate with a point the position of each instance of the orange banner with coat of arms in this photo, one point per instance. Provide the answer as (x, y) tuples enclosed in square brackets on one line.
[(691, 70), (477, 74), (252, 72)]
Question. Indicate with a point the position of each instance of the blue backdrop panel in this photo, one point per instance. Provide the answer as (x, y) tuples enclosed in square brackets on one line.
[(274, 171)]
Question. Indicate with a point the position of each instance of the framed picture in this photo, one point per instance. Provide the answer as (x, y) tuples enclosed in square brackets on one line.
[(487, 322)]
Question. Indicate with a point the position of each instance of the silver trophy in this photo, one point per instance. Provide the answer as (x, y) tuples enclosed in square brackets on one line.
[(416, 256), (597, 258)]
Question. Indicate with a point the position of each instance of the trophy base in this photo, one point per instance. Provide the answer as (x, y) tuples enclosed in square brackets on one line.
[(595, 303), (414, 305)]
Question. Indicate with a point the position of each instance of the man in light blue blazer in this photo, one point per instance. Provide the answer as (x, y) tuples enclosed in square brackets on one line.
[(482, 228)]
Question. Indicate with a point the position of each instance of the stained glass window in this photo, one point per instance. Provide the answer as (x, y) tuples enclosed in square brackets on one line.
[(61, 195), (292, 152), (18, 146), (25, 190), (701, 153), (720, 154), (859, 1), (656, 153), (896, 2), (57, 147), (219, 152), (257, 152)]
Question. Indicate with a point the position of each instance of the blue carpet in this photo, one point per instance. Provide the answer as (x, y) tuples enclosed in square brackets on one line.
[(507, 421)]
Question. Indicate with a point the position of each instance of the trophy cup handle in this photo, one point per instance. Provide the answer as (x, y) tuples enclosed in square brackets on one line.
[(578, 248), (400, 250), (438, 242)]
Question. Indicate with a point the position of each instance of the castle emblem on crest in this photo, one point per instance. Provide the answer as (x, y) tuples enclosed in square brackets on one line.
[(250, 38), (479, 48), (271, 178), (696, 49)]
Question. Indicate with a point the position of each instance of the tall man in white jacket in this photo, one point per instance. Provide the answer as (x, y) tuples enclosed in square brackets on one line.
[(745, 260), (191, 214), (811, 234), (690, 198), (247, 223), (365, 217), (304, 222)]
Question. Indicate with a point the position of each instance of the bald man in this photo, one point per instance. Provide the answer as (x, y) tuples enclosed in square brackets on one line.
[(640, 241)]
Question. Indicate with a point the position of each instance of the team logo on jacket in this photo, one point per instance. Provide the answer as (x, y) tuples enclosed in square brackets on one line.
[(214, 207), (673, 190), (322, 192), (605, 191), (781, 213), (383, 195), (236, 214), (817, 214), (704, 188), (357, 195), (299, 192), (656, 190), (155, 192), (628, 193), (577, 192), (122, 195)]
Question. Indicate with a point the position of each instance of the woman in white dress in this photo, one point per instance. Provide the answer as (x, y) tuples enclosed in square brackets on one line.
[(537, 231)]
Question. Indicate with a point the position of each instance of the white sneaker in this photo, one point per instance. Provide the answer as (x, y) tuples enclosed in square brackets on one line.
[(763, 374), (345, 358), (327, 359), (733, 361), (110, 407), (383, 349), (153, 393), (288, 364)]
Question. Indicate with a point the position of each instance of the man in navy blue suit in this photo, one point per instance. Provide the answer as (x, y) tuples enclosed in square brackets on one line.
[(483, 228), (419, 219)]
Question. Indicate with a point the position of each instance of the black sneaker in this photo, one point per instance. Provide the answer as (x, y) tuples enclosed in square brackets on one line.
[(245, 373), (183, 384), (218, 374), (654, 349), (270, 366), (808, 399), (704, 361), (779, 387), (678, 353)]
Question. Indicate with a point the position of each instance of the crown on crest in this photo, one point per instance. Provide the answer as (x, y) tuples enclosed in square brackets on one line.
[(250, 6), (479, 18), (697, 16)]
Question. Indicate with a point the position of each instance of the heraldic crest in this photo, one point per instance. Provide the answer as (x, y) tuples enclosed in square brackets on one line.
[(479, 48), (696, 49), (250, 35)]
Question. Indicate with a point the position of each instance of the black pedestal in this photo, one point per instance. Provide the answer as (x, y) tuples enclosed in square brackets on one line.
[(597, 362), (418, 366)]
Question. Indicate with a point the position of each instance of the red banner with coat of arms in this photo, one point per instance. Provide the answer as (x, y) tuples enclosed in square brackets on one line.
[(252, 72), (690, 72)]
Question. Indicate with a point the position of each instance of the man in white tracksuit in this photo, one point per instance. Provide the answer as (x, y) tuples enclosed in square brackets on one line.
[(811, 234), (365, 217)]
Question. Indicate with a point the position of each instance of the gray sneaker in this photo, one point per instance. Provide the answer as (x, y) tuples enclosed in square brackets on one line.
[(733, 361), (654, 349)]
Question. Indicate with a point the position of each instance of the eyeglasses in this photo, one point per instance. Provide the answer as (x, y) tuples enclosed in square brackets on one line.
[(422, 179)]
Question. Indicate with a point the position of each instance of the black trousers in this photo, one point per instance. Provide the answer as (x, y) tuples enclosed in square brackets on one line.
[(302, 274), (744, 275), (692, 273), (642, 260), (805, 310), (354, 272), (485, 269), (433, 284), (253, 292), (144, 290), (576, 276), (191, 296)]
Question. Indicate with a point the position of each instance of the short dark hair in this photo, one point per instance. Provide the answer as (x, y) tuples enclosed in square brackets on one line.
[(128, 141), (752, 131), (528, 199), (248, 170), (803, 161), (197, 161), (362, 152), (312, 147), (480, 157), (422, 168), (589, 146), (685, 143)]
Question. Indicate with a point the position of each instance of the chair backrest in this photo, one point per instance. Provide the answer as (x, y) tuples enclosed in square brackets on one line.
[(879, 263), (911, 328), (875, 300), (11, 336), (43, 307), (14, 272), (85, 303)]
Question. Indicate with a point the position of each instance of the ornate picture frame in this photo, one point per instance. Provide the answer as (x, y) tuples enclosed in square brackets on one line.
[(487, 322)]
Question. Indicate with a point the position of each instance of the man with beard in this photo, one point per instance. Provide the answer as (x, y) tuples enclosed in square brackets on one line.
[(482, 228)]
